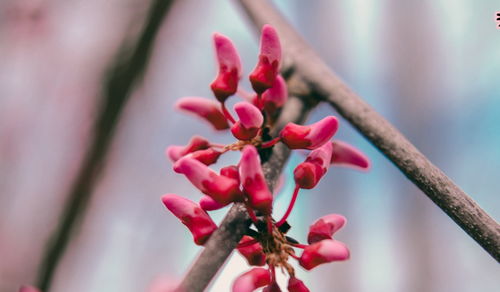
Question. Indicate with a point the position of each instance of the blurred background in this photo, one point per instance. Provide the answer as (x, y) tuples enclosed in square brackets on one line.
[(430, 67)]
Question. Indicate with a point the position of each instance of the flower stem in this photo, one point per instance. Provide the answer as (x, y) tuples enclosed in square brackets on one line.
[(290, 207), (270, 143), (251, 213), (227, 114)]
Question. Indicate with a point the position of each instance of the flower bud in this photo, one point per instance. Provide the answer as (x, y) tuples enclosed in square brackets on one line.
[(191, 215), (347, 155), (311, 136), (242, 133), (276, 96), (208, 156), (264, 74), (325, 227), (307, 175), (296, 285), (196, 143), (226, 82), (222, 189), (323, 251), (253, 253), (231, 171), (209, 204), (251, 280), (253, 181), (205, 109), (249, 115)]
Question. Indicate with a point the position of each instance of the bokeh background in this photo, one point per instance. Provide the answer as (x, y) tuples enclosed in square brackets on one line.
[(430, 67)]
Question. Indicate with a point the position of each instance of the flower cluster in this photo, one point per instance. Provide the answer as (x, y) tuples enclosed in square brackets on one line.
[(266, 243)]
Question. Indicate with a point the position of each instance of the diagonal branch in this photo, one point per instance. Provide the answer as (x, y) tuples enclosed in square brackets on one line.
[(308, 66), (235, 224)]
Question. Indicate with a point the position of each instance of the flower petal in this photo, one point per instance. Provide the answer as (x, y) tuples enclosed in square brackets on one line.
[(204, 108), (191, 215), (254, 253), (345, 154), (324, 251), (251, 280), (296, 285), (196, 143), (310, 136), (209, 204), (226, 82), (325, 227), (254, 183), (264, 74), (276, 96), (249, 115)]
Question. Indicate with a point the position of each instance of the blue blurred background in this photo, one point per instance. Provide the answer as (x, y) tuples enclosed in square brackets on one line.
[(430, 67)]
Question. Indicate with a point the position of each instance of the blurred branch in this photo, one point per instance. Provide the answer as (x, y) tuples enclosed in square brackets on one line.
[(305, 63), (234, 225), (120, 82)]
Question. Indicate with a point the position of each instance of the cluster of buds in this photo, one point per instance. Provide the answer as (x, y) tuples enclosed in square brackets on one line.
[(266, 243)]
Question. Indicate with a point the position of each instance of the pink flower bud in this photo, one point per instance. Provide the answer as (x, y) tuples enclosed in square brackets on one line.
[(254, 183), (311, 136), (276, 96), (264, 74), (204, 108), (28, 288), (307, 175), (222, 189), (209, 204), (208, 156), (296, 285), (273, 287), (249, 115), (347, 155), (251, 280), (323, 251), (231, 171), (196, 143), (226, 82), (253, 253), (325, 227), (191, 215), (242, 133)]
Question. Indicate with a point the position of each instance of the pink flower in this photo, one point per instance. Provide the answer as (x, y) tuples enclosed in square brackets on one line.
[(347, 155), (191, 215), (253, 181), (276, 96), (311, 136), (308, 174), (28, 288), (325, 227), (196, 143), (323, 251), (251, 280), (208, 156), (296, 285), (253, 253), (226, 82), (250, 121), (264, 74), (231, 171), (209, 204), (205, 109), (222, 189)]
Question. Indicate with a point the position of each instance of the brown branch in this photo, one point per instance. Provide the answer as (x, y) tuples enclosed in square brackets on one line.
[(308, 66), (122, 77), (234, 225)]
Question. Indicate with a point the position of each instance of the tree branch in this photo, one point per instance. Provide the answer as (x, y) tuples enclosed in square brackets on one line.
[(234, 225), (308, 66), (122, 77)]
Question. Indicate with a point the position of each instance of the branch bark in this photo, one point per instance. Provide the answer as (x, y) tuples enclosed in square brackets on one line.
[(322, 81), (234, 225), (122, 77)]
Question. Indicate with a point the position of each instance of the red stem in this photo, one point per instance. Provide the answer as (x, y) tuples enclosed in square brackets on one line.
[(252, 215), (227, 114), (298, 245), (290, 207), (270, 143), (269, 225)]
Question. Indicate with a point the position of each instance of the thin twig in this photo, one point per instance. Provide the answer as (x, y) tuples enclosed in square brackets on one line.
[(121, 80), (235, 224), (305, 63)]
